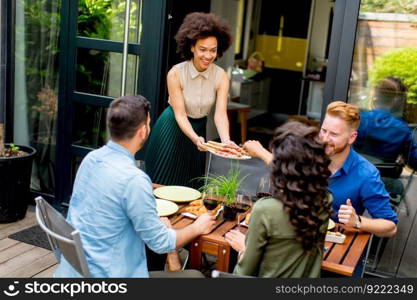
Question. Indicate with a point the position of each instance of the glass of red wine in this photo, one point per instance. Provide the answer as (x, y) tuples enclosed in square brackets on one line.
[(243, 203), (264, 187), (211, 198)]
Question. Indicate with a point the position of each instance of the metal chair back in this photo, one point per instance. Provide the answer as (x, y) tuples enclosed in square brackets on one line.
[(63, 238)]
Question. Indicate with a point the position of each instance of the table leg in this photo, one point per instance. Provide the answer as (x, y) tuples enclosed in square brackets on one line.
[(223, 258), (243, 125), (195, 254)]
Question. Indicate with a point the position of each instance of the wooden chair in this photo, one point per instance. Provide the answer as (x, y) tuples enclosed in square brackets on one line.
[(63, 238)]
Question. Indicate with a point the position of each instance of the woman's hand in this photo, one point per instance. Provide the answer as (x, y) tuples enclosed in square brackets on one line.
[(236, 239), (199, 142), (230, 143), (255, 149)]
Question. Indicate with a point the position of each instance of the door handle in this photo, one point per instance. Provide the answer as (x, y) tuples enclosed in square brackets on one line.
[(280, 33)]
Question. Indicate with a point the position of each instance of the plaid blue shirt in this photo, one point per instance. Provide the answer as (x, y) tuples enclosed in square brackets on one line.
[(359, 181), (114, 209)]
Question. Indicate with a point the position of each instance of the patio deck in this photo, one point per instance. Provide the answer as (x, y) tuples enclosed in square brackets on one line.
[(19, 259)]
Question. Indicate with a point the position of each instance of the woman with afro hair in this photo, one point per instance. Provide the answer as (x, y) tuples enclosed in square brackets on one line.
[(175, 150)]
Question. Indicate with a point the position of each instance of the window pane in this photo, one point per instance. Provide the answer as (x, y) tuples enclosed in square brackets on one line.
[(105, 19), (36, 85), (100, 72), (384, 85), (89, 125)]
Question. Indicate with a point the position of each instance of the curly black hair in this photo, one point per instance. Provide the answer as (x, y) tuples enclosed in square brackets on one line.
[(299, 178), (197, 26)]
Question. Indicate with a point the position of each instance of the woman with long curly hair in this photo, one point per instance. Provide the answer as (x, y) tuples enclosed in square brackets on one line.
[(287, 231), (174, 153)]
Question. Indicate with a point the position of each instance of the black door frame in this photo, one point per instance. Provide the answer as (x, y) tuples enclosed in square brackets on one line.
[(342, 45), (151, 59)]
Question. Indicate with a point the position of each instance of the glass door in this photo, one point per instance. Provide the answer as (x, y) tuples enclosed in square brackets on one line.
[(102, 52)]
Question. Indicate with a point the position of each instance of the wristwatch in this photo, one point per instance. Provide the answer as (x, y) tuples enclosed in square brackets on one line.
[(358, 223)]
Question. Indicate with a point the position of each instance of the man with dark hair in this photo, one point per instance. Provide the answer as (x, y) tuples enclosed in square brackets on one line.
[(113, 207)]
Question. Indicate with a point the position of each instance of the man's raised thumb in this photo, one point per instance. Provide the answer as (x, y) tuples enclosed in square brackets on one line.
[(348, 202)]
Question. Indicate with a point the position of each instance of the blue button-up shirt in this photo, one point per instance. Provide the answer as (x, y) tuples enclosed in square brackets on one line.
[(114, 209), (359, 181)]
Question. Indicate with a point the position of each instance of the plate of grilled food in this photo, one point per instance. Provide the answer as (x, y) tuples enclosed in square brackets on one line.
[(196, 208), (226, 151)]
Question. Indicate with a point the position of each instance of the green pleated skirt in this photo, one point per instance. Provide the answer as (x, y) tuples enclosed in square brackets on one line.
[(171, 157)]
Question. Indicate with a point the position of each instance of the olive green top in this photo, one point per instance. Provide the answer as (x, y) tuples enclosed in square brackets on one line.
[(271, 246)]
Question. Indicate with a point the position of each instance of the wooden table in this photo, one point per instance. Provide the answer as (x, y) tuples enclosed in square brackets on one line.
[(343, 258), (337, 258), (213, 243)]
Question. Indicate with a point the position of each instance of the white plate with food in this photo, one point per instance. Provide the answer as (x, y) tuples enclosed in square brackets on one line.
[(165, 208), (177, 193), (226, 151), (331, 225)]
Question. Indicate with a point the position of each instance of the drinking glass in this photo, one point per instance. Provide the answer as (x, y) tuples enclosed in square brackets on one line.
[(243, 203), (211, 197), (264, 187)]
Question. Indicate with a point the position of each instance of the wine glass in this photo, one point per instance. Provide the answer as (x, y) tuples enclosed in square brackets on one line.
[(264, 187), (243, 203), (211, 197)]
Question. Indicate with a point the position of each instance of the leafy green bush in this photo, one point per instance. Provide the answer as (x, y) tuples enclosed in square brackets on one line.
[(389, 6), (401, 63)]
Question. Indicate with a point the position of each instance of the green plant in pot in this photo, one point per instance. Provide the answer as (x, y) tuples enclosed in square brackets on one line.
[(227, 188)]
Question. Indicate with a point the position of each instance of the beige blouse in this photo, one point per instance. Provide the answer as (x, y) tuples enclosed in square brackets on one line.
[(198, 88)]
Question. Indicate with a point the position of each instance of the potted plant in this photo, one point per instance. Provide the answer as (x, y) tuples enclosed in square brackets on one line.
[(227, 187), (15, 173)]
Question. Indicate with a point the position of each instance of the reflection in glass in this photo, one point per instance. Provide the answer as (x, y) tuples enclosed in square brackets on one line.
[(104, 19), (89, 126), (99, 72), (383, 84), (37, 25), (314, 75)]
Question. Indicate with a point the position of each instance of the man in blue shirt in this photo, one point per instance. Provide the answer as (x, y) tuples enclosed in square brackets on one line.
[(355, 183), (113, 207), (384, 137)]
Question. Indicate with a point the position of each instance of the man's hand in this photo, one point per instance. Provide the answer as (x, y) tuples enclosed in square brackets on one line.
[(166, 222), (204, 224), (236, 239), (347, 214)]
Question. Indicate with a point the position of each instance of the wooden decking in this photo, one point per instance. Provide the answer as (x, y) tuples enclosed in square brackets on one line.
[(19, 259)]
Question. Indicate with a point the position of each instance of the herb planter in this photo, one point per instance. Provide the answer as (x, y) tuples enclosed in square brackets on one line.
[(230, 212), (15, 173)]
